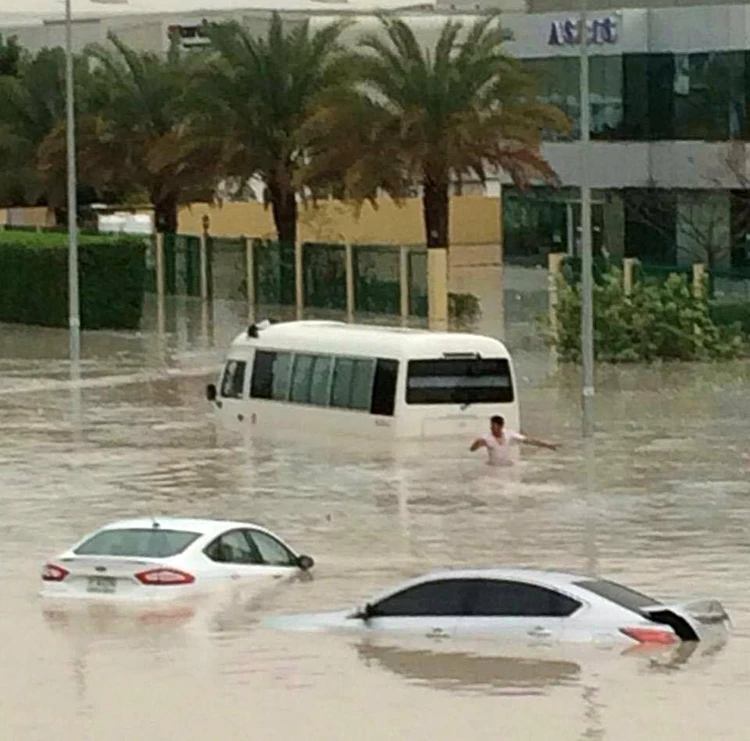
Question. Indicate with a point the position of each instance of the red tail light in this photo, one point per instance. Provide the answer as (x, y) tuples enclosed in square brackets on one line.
[(650, 635), (164, 577), (50, 572)]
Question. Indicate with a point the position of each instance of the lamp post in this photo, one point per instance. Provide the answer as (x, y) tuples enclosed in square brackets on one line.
[(74, 315), (587, 304), (74, 303)]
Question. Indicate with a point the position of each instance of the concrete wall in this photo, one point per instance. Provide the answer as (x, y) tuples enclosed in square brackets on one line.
[(475, 222)]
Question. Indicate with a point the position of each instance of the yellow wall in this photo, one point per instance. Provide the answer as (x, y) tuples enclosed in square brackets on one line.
[(475, 220)]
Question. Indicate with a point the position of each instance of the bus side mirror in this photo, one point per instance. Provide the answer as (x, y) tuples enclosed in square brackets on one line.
[(211, 392)]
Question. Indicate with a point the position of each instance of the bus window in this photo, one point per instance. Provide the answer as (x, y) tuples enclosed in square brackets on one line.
[(301, 378), (384, 388), (271, 372), (352, 383), (320, 387), (233, 380), (459, 381)]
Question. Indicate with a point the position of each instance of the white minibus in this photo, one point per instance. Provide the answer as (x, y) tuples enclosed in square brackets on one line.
[(328, 377)]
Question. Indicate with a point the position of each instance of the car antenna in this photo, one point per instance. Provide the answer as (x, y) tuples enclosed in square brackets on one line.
[(154, 522)]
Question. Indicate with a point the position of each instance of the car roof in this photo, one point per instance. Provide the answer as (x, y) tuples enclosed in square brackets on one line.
[(557, 579), (191, 524)]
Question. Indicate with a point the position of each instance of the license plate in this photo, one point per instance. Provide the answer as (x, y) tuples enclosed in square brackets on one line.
[(101, 584)]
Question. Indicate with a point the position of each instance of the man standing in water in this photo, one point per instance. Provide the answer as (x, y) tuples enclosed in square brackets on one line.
[(499, 440)]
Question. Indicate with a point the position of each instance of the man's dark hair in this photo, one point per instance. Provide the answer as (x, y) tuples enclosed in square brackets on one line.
[(498, 420)]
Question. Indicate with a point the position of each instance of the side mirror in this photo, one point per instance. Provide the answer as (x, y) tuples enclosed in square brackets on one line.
[(305, 563), (211, 392), (365, 613)]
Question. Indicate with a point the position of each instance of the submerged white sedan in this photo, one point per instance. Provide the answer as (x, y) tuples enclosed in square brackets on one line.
[(166, 557), (523, 604)]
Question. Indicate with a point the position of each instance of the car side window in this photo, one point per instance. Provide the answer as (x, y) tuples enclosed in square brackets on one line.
[(271, 551), (495, 597), (446, 597), (233, 547)]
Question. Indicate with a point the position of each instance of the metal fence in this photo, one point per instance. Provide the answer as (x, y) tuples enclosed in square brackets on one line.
[(385, 280)]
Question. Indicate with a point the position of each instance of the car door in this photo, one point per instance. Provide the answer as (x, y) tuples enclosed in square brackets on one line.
[(517, 610), (275, 557), (432, 609), (234, 556)]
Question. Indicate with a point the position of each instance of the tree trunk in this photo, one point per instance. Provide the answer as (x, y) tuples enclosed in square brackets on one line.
[(435, 208), (284, 208), (435, 211), (165, 213)]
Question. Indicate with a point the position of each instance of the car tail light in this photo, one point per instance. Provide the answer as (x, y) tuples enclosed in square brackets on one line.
[(650, 635), (164, 577), (50, 572)]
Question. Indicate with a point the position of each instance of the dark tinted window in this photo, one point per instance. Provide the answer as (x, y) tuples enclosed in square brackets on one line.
[(271, 375), (137, 542), (459, 381), (623, 596), (514, 599), (384, 388), (233, 380), (262, 381), (436, 598)]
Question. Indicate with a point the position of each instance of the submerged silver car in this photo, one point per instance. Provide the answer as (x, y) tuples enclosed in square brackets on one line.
[(523, 604)]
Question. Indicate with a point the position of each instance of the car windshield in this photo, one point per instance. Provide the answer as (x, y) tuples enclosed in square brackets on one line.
[(623, 596), (137, 542)]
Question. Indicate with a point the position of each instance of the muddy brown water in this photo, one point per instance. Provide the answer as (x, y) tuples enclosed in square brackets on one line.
[(661, 501)]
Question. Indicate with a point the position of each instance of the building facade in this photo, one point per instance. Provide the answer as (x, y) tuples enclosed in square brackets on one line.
[(669, 124), (670, 119)]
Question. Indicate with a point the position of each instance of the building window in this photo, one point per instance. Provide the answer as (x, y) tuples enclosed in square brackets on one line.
[(605, 96), (709, 96), (558, 83)]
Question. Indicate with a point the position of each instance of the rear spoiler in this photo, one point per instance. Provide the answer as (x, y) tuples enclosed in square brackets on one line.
[(679, 617)]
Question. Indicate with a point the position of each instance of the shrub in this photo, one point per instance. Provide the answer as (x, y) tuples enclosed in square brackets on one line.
[(728, 315), (34, 281), (463, 309), (655, 322)]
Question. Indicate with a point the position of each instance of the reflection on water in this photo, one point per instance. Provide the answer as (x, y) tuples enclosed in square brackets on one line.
[(661, 501), (484, 674)]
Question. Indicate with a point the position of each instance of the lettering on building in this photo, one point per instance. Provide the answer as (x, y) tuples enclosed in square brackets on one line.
[(600, 31)]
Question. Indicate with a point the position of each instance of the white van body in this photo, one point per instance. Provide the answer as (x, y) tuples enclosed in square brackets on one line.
[(329, 377)]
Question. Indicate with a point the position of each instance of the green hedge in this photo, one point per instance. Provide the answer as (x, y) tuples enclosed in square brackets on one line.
[(727, 315), (34, 281)]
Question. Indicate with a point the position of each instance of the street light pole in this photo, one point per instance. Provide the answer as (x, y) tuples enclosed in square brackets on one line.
[(587, 283), (74, 316)]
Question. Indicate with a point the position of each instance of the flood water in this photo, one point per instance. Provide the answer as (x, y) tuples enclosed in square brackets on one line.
[(660, 501)]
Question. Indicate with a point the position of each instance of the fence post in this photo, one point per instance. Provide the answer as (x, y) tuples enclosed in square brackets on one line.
[(403, 282), (699, 277), (349, 261), (204, 259), (159, 247), (628, 272), (250, 278), (554, 270), (299, 287)]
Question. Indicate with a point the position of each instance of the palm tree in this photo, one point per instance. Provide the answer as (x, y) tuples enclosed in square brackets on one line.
[(139, 137), (32, 104), (11, 54), (427, 117), (260, 92)]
